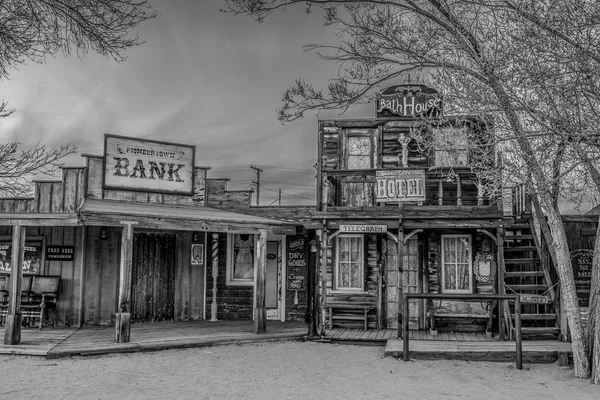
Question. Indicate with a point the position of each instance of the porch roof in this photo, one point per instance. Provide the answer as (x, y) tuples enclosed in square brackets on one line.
[(177, 217)]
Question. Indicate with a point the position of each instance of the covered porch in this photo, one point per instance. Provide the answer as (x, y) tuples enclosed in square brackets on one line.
[(98, 340)]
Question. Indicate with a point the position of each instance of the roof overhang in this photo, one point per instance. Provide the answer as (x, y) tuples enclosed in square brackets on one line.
[(177, 217)]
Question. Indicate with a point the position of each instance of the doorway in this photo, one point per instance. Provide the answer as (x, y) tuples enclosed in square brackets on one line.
[(153, 277)]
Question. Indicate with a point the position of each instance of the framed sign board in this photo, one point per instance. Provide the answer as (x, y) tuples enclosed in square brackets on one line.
[(148, 165)]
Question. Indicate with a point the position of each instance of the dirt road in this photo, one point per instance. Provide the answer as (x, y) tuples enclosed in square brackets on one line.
[(281, 370)]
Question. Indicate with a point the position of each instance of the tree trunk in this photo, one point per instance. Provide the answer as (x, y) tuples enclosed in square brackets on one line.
[(568, 294), (593, 332)]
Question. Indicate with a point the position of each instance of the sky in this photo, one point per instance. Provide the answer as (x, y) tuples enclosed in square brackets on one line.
[(202, 77)]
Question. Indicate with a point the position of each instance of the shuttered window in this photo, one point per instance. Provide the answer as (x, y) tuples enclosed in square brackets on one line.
[(240, 259), (350, 263), (457, 273)]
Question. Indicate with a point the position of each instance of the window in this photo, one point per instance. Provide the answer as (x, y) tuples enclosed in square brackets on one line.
[(240, 259), (349, 273), (359, 152), (457, 274), (451, 147)]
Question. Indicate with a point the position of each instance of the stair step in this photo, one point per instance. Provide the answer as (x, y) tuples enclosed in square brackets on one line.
[(521, 260), (536, 317), (518, 237), (522, 274), (518, 288), (518, 225), (539, 330), (520, 248)]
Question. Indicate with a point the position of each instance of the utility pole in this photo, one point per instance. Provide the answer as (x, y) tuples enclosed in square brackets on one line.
[(279, 196), (257, 181)]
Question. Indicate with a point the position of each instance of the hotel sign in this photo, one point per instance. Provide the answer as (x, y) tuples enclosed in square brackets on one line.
[(400, 185), (148, 165), (408, 101), (363, 229)]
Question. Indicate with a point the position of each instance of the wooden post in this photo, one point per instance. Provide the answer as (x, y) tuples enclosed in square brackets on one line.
[(400, 261), (12, 332), (323, 278), (215, 274), (260, 310), (440, 194), (479, 192), (501, 288), (518, 332), (405, 336), (123, 316), (458, 192), (82, 246)]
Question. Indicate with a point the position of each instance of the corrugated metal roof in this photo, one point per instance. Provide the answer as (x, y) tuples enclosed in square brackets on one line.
[(108, 207)]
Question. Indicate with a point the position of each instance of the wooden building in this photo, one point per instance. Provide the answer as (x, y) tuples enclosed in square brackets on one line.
[(141, 234), (401, 209)]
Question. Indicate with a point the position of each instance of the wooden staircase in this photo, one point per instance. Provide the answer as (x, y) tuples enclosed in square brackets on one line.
[(526, 274)]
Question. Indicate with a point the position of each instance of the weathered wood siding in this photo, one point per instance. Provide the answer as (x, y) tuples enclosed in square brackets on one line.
[(218, 194), (101, 278), (70, 284), (357, 189)]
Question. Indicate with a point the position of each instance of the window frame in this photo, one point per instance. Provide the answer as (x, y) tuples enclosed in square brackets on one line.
[(361, 266), (443, 264), (364, 135), (230, 280), (450, 144)]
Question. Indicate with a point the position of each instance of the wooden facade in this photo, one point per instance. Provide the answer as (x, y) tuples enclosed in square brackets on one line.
[(395, 215), (151, 255)]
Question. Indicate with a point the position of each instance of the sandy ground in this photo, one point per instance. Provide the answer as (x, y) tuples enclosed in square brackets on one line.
[(281, 370)]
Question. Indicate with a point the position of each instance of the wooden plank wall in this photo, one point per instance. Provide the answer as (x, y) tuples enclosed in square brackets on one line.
[(218, 195), (69, 271), (332, 149)]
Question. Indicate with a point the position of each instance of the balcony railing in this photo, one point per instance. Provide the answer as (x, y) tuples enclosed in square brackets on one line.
[(443, 187)]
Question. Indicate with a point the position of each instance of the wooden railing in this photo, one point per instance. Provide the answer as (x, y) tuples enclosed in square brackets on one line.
[(463, 188), (403, 319), (521, 201)]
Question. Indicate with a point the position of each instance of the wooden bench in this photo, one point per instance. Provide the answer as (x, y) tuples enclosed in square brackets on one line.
[(363, 306), (441, 313), (38, 294)]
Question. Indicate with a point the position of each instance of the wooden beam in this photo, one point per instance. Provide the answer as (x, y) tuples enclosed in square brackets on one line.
[(81, 239), (123, 317), (46, 219), (501, 289), (260, 310), (189, 225), (12, 332), (323, 278), (401, 307)]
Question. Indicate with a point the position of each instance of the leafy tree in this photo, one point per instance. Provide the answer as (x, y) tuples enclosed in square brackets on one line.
[(33, 30), (529, 64)]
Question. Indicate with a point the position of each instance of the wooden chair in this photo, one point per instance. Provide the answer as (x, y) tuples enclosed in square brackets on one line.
[(4, 293), (43, 296)]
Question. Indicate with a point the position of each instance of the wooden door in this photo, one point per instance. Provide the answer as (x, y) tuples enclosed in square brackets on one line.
[(153, 277)]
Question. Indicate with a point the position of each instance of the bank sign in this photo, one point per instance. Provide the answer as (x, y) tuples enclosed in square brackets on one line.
[(400, 185), (148, 165), (408, 101)]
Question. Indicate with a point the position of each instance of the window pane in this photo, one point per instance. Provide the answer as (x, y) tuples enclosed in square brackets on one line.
[(456, 263), (243, 257), (359, 152), (350, 263)]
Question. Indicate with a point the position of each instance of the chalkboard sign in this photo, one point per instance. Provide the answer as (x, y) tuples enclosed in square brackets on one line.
[(296, 263), (581, 260)]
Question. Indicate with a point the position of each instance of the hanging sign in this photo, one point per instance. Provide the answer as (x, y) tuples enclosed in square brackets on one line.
[(363, 228), (400, 185), (148, 165), (408, 101)]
